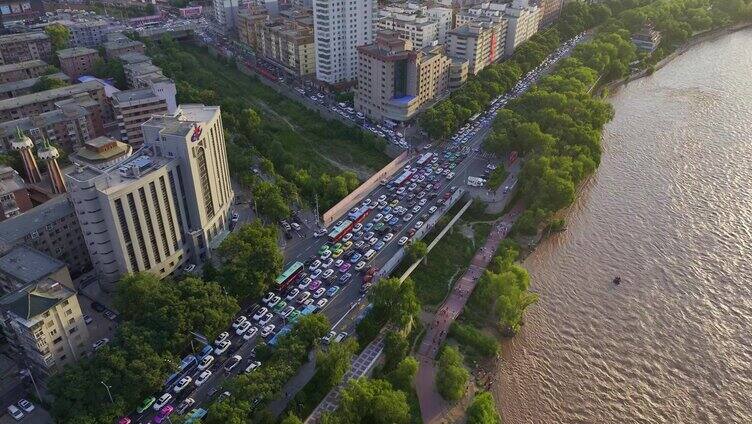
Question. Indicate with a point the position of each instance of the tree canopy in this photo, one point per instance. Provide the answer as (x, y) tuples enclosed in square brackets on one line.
[(451, 376), (394, 302), (483, 410), (371, 401)]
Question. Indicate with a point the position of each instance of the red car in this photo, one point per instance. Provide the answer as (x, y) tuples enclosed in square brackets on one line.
[(163, 414)]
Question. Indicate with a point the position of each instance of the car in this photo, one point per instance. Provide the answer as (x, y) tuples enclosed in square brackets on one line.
[(315, 285), (268, 298), (347, 245), (393, 221), (327, 263), (333, 290), (418, 224), (386, 211), (367, 202), (326, 274), (316, 274), (206, 362), (146, 404), (304, 283), (267, 331), (238, 321), (382, 198), (318, 293), (337, 253), (189, 268), (252, 366), (293, 293), (411, 232), (407, 217), (279, 307), (345, 277), (394, 203), (201, 379), (321, 303), (367, 227), (432, 209), (315, 265), (416, 209), (266, 318), (355, 258), (110, 315), (162, 401), (346, 238), (260, 313), (248, 335), (380, 226), (338, 263), (360, 265), (307, 303), (222, 347), (320, 232), (303, 297), (232, 362), (422, 202), (287, 311), (221, 337), (369, 235), (326, 339), (99, 343), (242, 328), (388, 237), (341, 336), (295, 226), (373, 241), (87, 319), (185, 405), (402, 240), (323, 249), (378, 246), (27, 406), (378, 218), (182, 384), (326, 255), (274, 301)]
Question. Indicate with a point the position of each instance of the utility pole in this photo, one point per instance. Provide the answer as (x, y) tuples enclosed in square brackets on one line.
[(318, 221), (27, 372), (108, 391)]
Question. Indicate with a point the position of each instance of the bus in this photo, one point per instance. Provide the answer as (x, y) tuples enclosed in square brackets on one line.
[(359, 215), (339, 231), (425, 157), (403, 178), (291, 274)]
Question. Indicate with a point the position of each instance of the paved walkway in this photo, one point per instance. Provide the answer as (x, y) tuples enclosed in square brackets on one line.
[(432, 405)]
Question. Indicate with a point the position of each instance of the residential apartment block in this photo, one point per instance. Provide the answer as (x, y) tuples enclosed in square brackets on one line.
[(340, 27), (134, 107), (22, 70), (44, 325), (14, 196), (118, 44), (87, 33), (524, 21), (288, 41), (26, 46), (141, 73), (395, 80), (25, 86), (34, 104), (72, 122), (77, 61), (166, 205), (248, 25), (24, 265), (225, 12), (550, 11), (51, 228), (476, 43), (423, 26)]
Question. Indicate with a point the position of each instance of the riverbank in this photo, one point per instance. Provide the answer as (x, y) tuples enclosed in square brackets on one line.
[(703, 37), (592, 352)]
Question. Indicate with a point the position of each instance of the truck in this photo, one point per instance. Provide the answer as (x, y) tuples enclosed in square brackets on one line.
[(476, 181)]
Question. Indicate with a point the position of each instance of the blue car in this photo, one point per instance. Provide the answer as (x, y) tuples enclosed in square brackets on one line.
[(393, 221), (367, 227), (355, 258), (386, 210), (379, 246), (332, 291)]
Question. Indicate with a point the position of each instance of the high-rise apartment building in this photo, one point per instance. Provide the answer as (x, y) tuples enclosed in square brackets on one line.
[(423, 26), (166, 205), (489, 16), (340, 27), (478, 43), (16, 48), (77, 61), (524, 21), (550, 11), (395, 80), (44, 325), (134, 107), (225, 12), (249, 22)]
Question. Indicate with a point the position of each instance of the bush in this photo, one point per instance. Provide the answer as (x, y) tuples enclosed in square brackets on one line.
[(483, 410), (452, 377), (473, 338)]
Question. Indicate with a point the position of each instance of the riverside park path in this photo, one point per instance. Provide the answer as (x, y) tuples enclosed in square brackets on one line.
[(432, 405)]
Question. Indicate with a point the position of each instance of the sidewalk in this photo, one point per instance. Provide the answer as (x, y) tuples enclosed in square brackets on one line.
[(432, 406)]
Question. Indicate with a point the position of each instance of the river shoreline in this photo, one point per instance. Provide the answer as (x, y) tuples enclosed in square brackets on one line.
[(518, 343)]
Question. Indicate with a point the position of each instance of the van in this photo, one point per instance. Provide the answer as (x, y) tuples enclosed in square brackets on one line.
[(369, 255)]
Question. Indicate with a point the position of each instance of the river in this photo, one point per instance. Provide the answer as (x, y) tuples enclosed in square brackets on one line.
[(670, 211)]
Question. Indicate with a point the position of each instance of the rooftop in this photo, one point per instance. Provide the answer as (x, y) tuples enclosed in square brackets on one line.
[(133, 95), (29, 82), (16, 228), (22, 65), (10, 181), (101, 149), (121, 43), (182, 122), (23, 37), (75, 52), (28, 265), (134, 57), (35, 299), (48, 95)]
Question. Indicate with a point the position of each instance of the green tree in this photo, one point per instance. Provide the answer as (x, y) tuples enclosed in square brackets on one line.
[(251, 260), (335, 361), (228, 411), (403, 374), (291, 419), (112, 68), (270, 201), (59, 36), (483, 410), (396, 348), (370, 401), (250, 122), (394, 302), (417, 250), (451, 377), (47, 83)]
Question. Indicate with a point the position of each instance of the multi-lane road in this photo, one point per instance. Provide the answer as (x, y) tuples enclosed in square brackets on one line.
[(348, 303)]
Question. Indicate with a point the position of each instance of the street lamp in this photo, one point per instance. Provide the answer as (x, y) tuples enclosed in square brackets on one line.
[(108, 391), (26, 372)]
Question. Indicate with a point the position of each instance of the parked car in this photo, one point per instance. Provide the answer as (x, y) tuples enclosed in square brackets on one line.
[(201, 379)]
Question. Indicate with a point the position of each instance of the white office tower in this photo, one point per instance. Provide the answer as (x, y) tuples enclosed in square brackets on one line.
[(165, 206), (340, 26)]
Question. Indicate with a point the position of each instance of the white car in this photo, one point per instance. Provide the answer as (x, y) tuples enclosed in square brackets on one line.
[(252, 366), (266, 318), (233, 362), (239, 320), (99, 343), (418, 224), (338, 263), (260, 313), (326, 339), (162, 401), (388, 237), (432, 209), (206, 362), (382, 198), (287, 311), (327, 263), (269, 296), (274, 301), (407, 217), (222, 347), (315, 265), (292, 295), (242, 328), (346, 237), (360, 265), (326, 255), (319, 232), (357, 227), (27, 406), (315, 274), (326, 274), (341, 336), (201, 379), (402, 240), (267, 331), (378, 218), (303, 297), (16, 413), (319, 292), (222, 337), (322, 302), (250, 333), (304, 284), (182, 384), (373, 241)]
